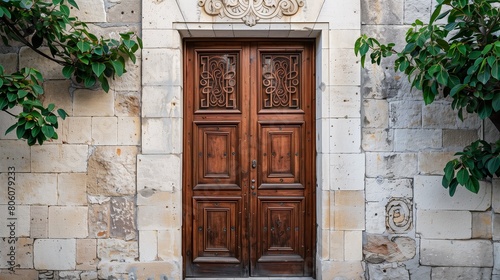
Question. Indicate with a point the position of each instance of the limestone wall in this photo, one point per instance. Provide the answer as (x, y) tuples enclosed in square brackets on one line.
[(105, 200)]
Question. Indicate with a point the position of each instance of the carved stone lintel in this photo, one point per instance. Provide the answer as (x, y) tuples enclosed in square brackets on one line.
[(250, 11)]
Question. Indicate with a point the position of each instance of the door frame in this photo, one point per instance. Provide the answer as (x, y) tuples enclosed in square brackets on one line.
[(311, 144)]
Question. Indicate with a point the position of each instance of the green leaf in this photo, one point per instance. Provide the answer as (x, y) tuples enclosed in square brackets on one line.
[(11, 97), (449, 171), (21, 93), (493, 165), (98, 68), (495, 70), (12, 127), (442, 76), (453, 187), (118, 66), (472, 185), (62, 113), (496, 102), (457, 89), (463, 176), (435, 14), (51, 107), (83, 46), (35, 131), (68, 71), (52, 119), (64, 10), (73, 3), (48, 131), (20, 131)]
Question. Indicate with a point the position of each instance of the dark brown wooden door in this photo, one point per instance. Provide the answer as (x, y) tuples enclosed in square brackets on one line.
[(249, 159)]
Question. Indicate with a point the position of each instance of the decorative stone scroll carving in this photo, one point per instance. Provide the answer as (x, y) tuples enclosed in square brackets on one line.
[(250, 11), (399, 215)]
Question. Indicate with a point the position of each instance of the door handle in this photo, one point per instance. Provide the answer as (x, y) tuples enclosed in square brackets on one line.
[(254, 164)]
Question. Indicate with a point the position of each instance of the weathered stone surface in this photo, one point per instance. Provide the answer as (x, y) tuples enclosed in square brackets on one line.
[(496, 195), (144, 270), (161, 135), (116, 250), (19, 274), (6, 121), (129, 131), (496, 227), (72, 189), (122, 218), (130, 81), (344, 68), (387, 272), (56, 254), (59, 158), (148, 245), (14, 154), (345, 136), (89, 275), (375, 217), (382, 12), (382, 189), (112, 171), (21, 214), (475, 253), (168, 246), (104, 131), (68, 222), (405, 114), (442, 224), (93, 103), (337, 245), (461, 273), (156, 198), (491, 133), (69, 275), (353, 245), (349, 210), (417, 139), (346, 171), (496, 257), (39, 227), (77, 130), (31, 189), (162, 101), (392, 165), (441, 115), (399, 215), (352, 270), (456, 140), (86, 254), (90, 11), (377, 140), (430, 194), (481, 225), (379, 248), (57, 92), (124, 11), (128, 104), (433, 163), (344, 101), (155, 172), (375, 113), (22, 256), (155, 73), (417, 9), (158, 217), (50, 70), (99, 219), (9, 62)]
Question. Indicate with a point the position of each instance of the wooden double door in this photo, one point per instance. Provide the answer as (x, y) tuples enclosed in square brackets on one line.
[(249, 159)]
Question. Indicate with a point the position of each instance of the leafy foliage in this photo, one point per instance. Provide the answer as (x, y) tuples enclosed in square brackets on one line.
[(83, 55), (459, 59)]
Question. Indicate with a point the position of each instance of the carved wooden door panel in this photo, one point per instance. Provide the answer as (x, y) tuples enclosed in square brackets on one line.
[(249, 172)]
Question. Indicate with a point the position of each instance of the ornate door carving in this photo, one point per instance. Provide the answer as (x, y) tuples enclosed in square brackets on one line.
[(249, 186)]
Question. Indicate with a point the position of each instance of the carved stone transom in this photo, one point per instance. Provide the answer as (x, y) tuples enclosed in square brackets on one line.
[(250, 11)]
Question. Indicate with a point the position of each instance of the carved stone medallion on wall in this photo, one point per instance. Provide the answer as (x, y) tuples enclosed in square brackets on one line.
[(399, 215), (250, 11)]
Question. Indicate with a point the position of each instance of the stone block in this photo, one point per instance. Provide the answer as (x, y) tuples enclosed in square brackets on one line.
[(491, 133), (161, 15), (341, 16), (353, 245), (32, 188), (380, 190), (344, 68), (481, 225), (128, 104), (417, 9), (18, 218), (474, 253), (342, 39), (104, 131), (352, 270), (88, 275), (441, 115), (433, 163), (122, 214), (57, 92), (461, 273), (496, 258), (68, 222), (116, 250), (405, 114), (99, 219), (324, 248), (375, 113), (344, 101), (54, 254), (379, 248), (124, 11), (496, 194), (129, 131), (151, 197), (158, 172), (162, 102), (77, 130), (112, 171), (9, 62), (148, 245), (496, 227), (141, 270), (382, 12), (6, 121), (375, 217), (90, 11), (349, 210), (377, 140), (414, 140), (72, 189), (162, 67), (388, 271), (14, 154), (391, 165), (59, 158), (345, 136), (39, 227), (169, 247), (429, 194), (161, 136), (337, 245), (131, 80), (433, 224), (347, 171), (93, 103), (158, 218), (323, 209), (86, 254), (456, 140), (161, 38), (17, 253), (19, 274), (49, 69)]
